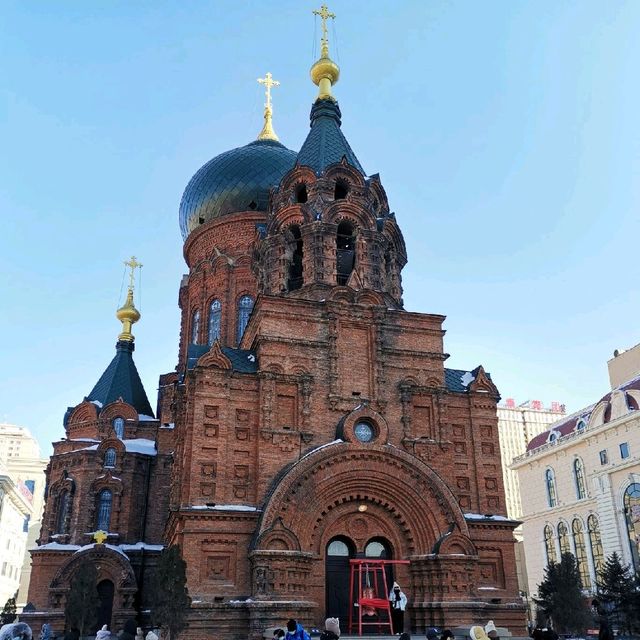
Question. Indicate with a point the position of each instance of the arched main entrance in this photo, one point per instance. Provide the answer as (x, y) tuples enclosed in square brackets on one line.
[(338, 553), (105, 609)]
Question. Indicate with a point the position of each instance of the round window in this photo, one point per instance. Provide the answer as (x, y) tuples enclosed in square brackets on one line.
[(363, 432)]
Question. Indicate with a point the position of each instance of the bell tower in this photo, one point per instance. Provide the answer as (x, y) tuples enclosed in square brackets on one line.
[(329, 225)]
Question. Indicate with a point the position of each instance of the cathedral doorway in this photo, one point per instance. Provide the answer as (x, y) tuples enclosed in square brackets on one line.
[(337, 571), (105, 609)]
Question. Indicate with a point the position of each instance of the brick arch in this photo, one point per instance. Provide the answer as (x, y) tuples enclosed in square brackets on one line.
[(112, 565), (409, 492)]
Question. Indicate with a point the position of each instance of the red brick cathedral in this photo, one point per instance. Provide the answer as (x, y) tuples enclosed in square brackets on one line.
[(310, 420)]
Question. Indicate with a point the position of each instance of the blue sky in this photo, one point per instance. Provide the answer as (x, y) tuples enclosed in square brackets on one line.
[(505, 132)]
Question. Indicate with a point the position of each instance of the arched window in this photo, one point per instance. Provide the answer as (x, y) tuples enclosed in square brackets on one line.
[(578, 476), (105, 499), (632, 514), (110, 457), (563, 538), (245, 307), (550, 481), (295, 250), (118, 427), (549, 545), (215, 315), (195, 327), (345, 252), (597, 554), (581, 553), (338, 548), (378, 549), (64, 507)]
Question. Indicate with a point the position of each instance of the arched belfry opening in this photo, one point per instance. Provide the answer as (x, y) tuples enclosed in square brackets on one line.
[(296, 252), (345, 252)]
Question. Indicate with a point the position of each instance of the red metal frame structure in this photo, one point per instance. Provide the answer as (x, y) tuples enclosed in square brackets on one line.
[(371, 599)]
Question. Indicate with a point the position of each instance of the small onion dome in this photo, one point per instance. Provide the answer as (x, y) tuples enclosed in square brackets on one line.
[(236, 180), (128, 315)]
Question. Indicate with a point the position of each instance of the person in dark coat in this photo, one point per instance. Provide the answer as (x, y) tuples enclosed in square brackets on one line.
[(447, 634), (129, 631), (295, 631)]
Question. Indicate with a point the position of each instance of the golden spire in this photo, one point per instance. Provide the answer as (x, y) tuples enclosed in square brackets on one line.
[(267, 132), (127, 313), (325, 72)]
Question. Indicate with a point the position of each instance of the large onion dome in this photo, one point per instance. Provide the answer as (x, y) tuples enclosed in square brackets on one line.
[(236, 180)]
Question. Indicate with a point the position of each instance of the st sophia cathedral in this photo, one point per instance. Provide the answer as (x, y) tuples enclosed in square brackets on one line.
[(310, 420)]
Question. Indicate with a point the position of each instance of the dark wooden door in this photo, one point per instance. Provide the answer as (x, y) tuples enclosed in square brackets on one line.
[(337, 574), (105, 591)]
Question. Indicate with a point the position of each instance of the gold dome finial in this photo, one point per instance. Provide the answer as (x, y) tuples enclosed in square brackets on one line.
[(127, 313), (325, 72), (267, 132)]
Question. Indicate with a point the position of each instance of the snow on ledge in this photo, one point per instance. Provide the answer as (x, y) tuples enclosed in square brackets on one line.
[(56, 546), (139, 546), (322, 446), (223, 507), (144, 418)]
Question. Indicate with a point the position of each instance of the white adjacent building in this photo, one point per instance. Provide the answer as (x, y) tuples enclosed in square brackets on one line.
[(517, 425), (580, 485), (15, 509), (24, 466)]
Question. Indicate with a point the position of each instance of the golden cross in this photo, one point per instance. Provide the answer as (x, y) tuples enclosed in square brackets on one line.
[(100, 536), (324, 13), (133, 264), (268, 82)]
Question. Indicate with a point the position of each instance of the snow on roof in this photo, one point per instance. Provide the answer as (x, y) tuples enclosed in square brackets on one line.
[(140, 445), (113, 547), (97, 403), (142, 417), (119, 548), (467, 378), (168, 425)]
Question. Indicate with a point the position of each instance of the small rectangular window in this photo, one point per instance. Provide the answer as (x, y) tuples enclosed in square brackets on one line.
[(624, 450), (604, 458)]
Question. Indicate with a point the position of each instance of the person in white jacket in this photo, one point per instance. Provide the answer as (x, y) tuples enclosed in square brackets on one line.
[(398, 602)]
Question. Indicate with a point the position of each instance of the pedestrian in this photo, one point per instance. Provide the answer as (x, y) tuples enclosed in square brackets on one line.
[(295, 631), (404, 636), (139, 634), (16, 630), (130, 630), (278, 633), (398, 604), (332, 629), (447, 634), (73, 634), (104, 633), (152, 636), (478, 633), (432, 634), (490, 630)]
